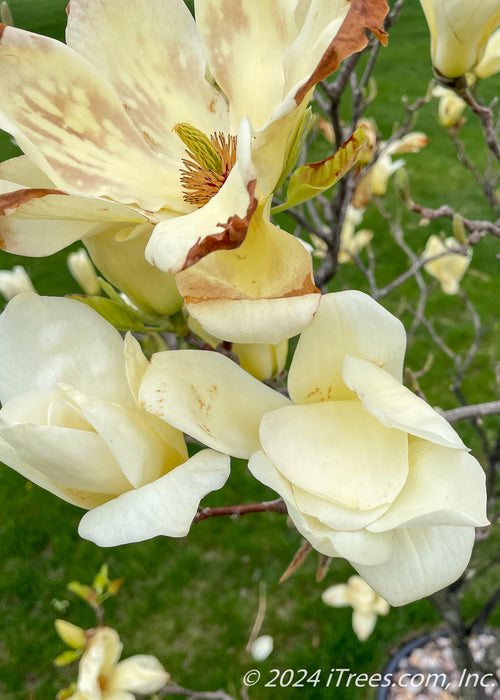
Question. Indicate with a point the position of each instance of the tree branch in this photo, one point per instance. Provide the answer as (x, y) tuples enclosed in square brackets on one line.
[(474, 226), (477, 410), (278, 506)]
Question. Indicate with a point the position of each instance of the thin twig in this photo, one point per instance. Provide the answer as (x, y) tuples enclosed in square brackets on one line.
[(485, 114), (476, 227), (477, 410), (277, 506)]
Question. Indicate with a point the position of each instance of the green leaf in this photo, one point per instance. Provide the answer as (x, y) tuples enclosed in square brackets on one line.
[(85, 592), (115, 585), (101, 580), (314, 178), (109, 290), (67, 657), (118, 314), (298, 143)]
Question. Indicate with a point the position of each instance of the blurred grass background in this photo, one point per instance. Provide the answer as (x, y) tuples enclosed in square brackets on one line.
[(192, 602)]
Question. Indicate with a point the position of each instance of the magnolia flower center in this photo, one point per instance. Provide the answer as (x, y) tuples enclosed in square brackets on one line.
[(209, 162)]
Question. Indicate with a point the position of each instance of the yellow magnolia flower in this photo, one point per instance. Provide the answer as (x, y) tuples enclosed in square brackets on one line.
[(368, 470), (459, 33), (366, 604), (490, 62), (450, 108), (71, 423), (101, 676), (450, 267), (174, 148)]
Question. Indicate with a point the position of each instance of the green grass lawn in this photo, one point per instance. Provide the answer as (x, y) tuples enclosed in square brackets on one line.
[(192, 602)]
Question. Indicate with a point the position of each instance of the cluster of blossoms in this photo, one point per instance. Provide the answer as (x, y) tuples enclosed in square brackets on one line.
[(163, 163), (368, 470)]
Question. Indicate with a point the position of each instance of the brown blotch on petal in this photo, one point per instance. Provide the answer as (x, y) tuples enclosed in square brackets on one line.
[(307, 287), (68, 8), (233, 233), (351, 38), (11, 201), (3, 27)]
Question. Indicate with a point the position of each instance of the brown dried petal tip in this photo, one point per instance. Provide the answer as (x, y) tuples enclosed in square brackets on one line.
[(363, 15)]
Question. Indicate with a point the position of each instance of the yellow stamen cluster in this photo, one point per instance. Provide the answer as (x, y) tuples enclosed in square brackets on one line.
[(209, 162)]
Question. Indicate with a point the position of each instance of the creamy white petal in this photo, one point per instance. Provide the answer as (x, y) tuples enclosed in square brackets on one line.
[(245, 44), (75, 459), (39, 222), (136, 446), (164, 507), (444, 487), (142, 674), (346, 322), (319, 535), (209, 397), (336, 596), (136, 364), (69, 121), (31, 236), (119, 254), (363, 547), (318, 27), (423, 561), (394, 405), (256, 320), (14, 282), (490, 62), (333, 515), (43, 408), (363, 624), (23, 171), (32, 203), (62, 340), (100, 656), (338, 451), (116, 695), (459, 32), (85, 499), (160, 86)]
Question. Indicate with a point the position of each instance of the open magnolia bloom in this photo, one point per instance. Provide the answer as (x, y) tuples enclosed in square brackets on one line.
[(70, 422), (366, 604), (368, 470), (101, 676), (460, 30), (450, 267), (189, 137)]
